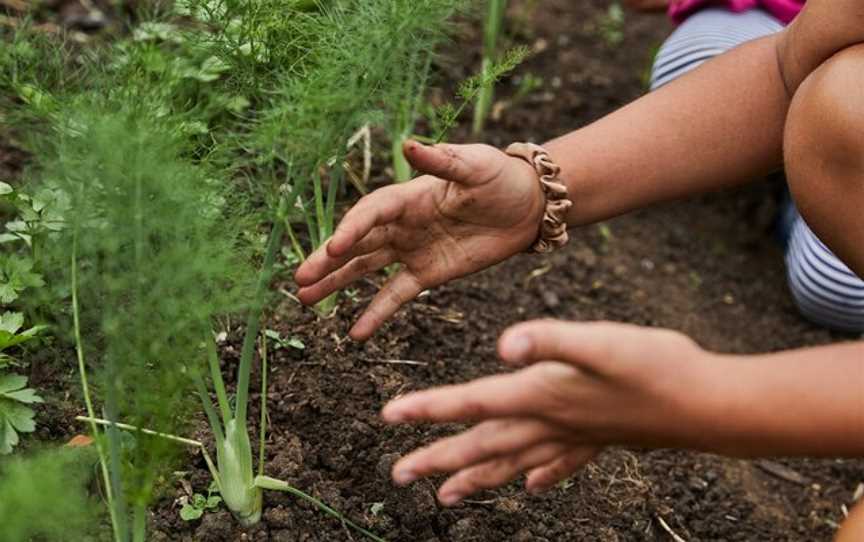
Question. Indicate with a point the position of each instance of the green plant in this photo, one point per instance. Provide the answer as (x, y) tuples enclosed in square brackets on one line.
[(284, 342), (12, 335), (445, 117), (166, 177), (15, 414), (350, 80), (17, 275), (611, 25), (407, 112), (44, 497), (492, 27), (197, 504)]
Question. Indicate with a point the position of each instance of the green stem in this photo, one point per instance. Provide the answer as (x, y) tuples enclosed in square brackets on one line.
[(209, 410), (262, 430), (136, 429), (491, 35), (253, 323), (115, 463), (265, 482), (173, 438), (139, 527), (218, 381), (85, 387), (336, 178), (401, 167), (295, 244)]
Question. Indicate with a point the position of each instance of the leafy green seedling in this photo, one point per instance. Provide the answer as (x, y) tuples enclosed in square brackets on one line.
[(11, 334), (196, 505), (376, 508), (15, 414), (16, 275), (611, 25), (283, 342)]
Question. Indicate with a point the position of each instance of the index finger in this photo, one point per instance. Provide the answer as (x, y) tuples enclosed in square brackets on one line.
[(378, 208), (504, 395)]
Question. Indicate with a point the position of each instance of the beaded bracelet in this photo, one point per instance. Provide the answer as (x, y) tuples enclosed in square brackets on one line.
[(553, 228)]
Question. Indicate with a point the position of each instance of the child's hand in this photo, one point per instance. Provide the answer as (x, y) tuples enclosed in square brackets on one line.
[(611, 384), (475, 208)]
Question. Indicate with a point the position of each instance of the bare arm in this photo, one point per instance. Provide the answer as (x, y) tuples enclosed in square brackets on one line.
[(800, 402), (718, 126)]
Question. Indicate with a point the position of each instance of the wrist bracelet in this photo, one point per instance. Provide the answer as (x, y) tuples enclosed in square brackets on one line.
[(553, 228)]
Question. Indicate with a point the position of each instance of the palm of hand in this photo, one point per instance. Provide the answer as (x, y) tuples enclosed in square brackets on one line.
[(479, 208)]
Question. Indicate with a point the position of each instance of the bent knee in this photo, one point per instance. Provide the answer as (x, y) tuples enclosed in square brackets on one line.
[(824, 136)]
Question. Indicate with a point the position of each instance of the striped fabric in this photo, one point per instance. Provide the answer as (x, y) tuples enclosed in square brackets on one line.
[(706, 34), (825, 290)]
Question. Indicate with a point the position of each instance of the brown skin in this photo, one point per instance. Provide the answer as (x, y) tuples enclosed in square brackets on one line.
[(611, 384), (616, 384), (853, 527)]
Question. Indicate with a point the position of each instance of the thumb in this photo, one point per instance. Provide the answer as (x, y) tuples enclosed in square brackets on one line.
[(445, 161), (588, 346)]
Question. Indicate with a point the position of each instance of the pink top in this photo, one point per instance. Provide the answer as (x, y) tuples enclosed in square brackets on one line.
[(784, 10)]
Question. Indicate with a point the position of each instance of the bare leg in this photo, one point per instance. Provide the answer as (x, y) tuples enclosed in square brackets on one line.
[(824, 154)]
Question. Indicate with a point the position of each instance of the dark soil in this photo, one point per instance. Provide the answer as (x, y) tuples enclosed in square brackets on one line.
[(708, 267)]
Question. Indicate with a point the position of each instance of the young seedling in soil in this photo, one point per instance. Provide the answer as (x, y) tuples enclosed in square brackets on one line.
[(492, 27)]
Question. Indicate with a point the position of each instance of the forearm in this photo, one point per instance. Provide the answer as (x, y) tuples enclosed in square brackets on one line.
[(803, 402), (716, 127)]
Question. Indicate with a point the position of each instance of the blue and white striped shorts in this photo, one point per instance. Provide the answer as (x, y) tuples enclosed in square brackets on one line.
[(825, 290)]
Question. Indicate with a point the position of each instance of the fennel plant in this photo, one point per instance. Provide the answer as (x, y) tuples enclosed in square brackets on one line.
[(493, 24)]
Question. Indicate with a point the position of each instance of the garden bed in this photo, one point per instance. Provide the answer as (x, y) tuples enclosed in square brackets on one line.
[(708, 267)]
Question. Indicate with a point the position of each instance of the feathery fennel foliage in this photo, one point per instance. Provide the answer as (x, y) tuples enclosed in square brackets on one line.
[(155, 258), (44, 497), (180, 127)]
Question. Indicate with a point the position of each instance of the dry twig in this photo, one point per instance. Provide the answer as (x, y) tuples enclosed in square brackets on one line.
[(668, 529)]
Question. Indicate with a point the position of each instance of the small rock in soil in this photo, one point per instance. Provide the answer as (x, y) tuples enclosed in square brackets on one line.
[(463, 530), (385, 465)]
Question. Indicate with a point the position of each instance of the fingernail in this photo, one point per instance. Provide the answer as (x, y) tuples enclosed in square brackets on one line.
[(449, 499), (517, 348), (403, 477)]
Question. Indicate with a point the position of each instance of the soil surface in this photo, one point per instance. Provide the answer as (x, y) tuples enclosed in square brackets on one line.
[(708, 267)]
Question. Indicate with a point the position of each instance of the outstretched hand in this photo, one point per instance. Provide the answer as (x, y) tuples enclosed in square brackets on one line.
[(474, 208), (610, 384)]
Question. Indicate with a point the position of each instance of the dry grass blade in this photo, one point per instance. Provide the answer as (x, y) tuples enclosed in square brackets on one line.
[(398, 362), (668, 529), (782, 472)]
